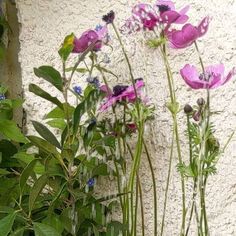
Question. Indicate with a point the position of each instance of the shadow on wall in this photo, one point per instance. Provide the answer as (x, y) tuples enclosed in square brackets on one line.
[(10, 71)]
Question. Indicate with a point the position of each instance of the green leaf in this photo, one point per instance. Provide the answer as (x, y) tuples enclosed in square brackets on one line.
[(46, 133), (57, 123), (43, 94), (36, 190), (44, 230), (59, 113), (51, 75), (67, 47), (103, 69), (18, 232), (55, 222), (102, 170), (29, 169), (155, 43), (85, 106), (6, 224), (4, 172), (116, 228), (43, 145), (9, 129)]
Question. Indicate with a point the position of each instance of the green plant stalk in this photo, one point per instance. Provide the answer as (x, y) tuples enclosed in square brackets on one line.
[(138, 151), (175, 124), (202, 185), (154, 187), (140, 192), (167, 184)]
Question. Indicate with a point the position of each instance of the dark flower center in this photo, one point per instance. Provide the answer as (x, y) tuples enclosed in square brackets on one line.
[(109, 17), (119, 89), (205, 76), (163, 8)]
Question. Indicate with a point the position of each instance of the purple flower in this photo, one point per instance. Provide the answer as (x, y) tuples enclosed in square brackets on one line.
[(188, 34), (78, 90), (2, 97), (109, 17), (99, 35), (214, 76), (123, 93), (93, 81), (91, 182)]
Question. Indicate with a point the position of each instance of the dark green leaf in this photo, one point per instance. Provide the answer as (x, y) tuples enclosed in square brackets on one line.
[(44, 230), (43, 94), (46, 133), (36, 190), (51, 75), (6, 224), (29, 169)]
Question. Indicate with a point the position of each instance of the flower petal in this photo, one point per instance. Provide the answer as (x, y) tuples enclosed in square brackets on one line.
[(203, 26)]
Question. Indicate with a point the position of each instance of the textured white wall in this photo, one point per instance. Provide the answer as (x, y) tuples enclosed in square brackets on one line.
[(44, 23)]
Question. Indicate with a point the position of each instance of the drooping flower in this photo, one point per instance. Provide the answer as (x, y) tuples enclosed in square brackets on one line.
[(78, 90), (214, 76), (123, 93), (91, 182), (188, 34), (109, 17), (97, 36)]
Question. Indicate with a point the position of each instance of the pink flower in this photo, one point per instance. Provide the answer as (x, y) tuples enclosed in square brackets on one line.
[(122, 93), (169, 15), (188, 34), (213, 77), (98, 35), (145, 16)]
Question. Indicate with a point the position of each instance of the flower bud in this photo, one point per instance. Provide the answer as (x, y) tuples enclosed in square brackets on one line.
[(201, 102), (188, 109), (196, 116)]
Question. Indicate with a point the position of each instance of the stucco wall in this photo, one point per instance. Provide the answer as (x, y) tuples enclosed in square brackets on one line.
[(44, 23)]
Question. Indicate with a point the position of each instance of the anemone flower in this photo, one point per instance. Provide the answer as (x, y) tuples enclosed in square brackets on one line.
[(122, 93), (99, 35), (188, 34), (169, 15), (213, 77), (147, 17)]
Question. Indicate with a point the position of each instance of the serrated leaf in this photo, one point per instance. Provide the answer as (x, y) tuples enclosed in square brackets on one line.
[(46, 134), (44, 230), (9, 129), (6, 224), (51, 75), (43, 94)]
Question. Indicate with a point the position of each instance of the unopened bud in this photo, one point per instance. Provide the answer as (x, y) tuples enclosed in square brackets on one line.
[(188, 109), (200, 102), (196, 115)]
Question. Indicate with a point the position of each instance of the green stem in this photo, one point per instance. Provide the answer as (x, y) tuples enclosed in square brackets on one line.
[(167, 185), (141, 205), (175, 124), (203, 152), (154, 187)]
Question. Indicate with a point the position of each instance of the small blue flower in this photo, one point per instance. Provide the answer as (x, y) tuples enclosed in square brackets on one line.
[(78, 90), (91, 182), (2, 97), (98, 27), (93, 81)]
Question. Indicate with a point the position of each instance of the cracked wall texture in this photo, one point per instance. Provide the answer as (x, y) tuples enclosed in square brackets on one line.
[(44, 23)]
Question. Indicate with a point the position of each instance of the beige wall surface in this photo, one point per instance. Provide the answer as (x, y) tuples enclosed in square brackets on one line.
[(43, 25)]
